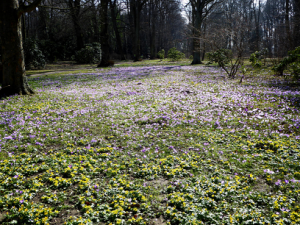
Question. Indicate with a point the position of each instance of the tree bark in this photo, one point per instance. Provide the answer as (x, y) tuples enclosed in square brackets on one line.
[(13, 77), (200, 10), (94, 21), (135, 10), (297, 23), (198, 19), (287, 25), (104, 34), (152, 30), (75, 11), (113, 10)]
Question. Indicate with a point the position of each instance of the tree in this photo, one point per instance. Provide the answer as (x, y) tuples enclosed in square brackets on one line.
[(14, 79), (297, 23), (75, 13), (229, 55), (104, 34), (200, 10), (114, 14), (135, 10)]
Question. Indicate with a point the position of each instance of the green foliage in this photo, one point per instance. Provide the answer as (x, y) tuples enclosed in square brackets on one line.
[(89, 54), (292, 61), (175, 55), (191, 57), (34, 58), (295, 70), (161, 54), (221, 56), (256, 57), (255, 62)]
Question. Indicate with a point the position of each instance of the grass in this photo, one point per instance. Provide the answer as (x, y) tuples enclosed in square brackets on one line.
[(164, 144), (33, 72)]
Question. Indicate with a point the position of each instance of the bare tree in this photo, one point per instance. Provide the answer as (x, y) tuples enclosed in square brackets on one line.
[(227, 40)]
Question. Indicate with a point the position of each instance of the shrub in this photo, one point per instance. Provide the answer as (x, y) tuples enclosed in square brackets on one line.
[(34, 58), (175, 55), (225, 56), (255, 62), (221, 56), (191, 57), (161, 54), (256, 57), (292, 60), (89, 54)]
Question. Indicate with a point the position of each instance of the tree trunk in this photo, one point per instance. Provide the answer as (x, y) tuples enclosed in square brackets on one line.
[(196, 42), (152, 31), (135, 10), (96, 35), (297, 23), (14, 79), (204, 44), (104, 34), (197, 17), (135, 16), (75, 11), (113, 10), (287, 25)]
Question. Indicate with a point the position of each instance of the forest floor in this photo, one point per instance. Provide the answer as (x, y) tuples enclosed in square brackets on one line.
[(158, 143)]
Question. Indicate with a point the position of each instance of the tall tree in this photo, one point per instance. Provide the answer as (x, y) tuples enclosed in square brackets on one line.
[(287, 24), (104, 34), (13, 77), (114, 15), (135, 10), (200, 9), (297, 22), (75, 7), (152, 29)]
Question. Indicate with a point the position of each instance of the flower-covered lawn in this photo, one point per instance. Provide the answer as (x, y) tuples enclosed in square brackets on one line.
[(151, 145)]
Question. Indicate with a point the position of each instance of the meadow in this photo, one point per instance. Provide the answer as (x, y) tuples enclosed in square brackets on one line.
[(167, 144)]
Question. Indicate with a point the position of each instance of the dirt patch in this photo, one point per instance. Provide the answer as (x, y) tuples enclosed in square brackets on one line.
[(64, 215), (158, 183), (2, 217), (38, 196), (158, 221), (261, 186)]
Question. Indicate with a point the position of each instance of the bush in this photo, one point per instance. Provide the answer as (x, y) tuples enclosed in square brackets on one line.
[(221, 56), (191, 57), (256, 57), (161, 54), (89, 54), (34, 58), (225, 56), (292, 60), (175, 55)]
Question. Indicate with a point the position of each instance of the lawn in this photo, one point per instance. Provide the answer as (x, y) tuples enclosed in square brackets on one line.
[(168, 144)]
